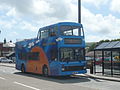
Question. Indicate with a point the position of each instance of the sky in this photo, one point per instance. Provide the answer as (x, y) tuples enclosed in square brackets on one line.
[(21, 19)]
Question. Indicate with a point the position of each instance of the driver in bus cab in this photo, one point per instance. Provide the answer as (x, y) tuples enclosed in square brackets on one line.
[(52, 34)]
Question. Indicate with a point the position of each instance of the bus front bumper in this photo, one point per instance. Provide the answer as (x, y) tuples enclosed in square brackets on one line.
[(72, 72)]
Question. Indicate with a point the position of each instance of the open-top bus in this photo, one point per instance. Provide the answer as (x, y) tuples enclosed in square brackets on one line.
[(58, 50)]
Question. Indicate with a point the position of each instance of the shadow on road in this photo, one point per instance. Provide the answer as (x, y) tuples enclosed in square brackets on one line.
[(60, 79)]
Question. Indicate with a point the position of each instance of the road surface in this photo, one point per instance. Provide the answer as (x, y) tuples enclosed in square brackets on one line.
[(12, 79)]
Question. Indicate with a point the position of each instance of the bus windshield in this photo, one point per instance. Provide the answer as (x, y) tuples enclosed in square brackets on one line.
[(71, 54), (67, 30)]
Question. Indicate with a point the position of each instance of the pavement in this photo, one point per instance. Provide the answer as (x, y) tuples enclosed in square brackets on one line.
[(109, 78), (12, 65), (88, 75)]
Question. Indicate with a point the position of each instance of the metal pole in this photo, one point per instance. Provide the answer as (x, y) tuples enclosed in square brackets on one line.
[(111, 64), (79, 11), (94, 63), (102, 62)]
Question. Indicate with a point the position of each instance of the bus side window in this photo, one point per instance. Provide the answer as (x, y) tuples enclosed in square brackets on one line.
[(33, 55), (29, 56)]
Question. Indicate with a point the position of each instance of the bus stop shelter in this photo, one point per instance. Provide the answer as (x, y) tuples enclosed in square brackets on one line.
[(108, 62)]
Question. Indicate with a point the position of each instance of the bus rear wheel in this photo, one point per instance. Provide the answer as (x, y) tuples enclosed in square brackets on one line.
[(45, 71), (23, 68)]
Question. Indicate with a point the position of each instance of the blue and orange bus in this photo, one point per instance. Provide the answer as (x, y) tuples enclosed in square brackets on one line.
[(58, 50)]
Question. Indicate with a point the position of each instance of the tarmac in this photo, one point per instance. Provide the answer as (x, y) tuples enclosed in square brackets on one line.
[(88, 75), (12, 65)]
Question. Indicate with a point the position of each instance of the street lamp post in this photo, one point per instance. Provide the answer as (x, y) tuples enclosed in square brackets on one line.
[(79, 11)]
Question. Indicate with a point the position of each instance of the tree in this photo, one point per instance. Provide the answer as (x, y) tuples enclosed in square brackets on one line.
[(91, 48)]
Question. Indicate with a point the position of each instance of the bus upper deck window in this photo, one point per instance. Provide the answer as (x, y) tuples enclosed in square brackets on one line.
[(44, 33), (68, 30), (53, 31)]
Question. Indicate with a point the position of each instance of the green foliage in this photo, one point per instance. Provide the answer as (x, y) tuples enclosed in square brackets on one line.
[(115, 40), (91, 48), (103, 41)]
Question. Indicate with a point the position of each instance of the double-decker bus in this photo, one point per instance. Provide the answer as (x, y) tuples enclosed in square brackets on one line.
[(58, 50)]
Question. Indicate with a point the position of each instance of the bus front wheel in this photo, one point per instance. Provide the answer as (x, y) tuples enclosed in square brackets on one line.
[(23, 68), (45, 71)]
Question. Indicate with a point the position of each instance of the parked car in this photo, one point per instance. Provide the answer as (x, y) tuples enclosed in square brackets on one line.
[(5, 60)]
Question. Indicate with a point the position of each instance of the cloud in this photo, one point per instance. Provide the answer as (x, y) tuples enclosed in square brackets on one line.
[(13, 34), (22, 6), (42, 7), (11, 12), (31, 15), (97, 3), (115, 6), (28, 26), (7, 24), (104, 27), (38, 8)]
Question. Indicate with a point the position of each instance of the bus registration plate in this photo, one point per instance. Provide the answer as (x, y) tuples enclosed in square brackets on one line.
[(75, 73)]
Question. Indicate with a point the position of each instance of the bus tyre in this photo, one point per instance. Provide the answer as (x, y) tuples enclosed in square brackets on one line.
[(45, 71), (23, 68)]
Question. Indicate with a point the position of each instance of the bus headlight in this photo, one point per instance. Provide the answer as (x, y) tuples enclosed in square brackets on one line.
[(84, 67), (59, 39), (63, 69)]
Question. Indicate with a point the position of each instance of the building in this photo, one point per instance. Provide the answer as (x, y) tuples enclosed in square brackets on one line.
[(1, 45), (6, 48)]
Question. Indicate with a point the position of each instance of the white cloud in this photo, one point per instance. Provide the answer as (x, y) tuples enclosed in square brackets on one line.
[(42, 7), (38, 8), (115, 6), (97, 3), (6, 24), (28, 26), (11, 12), (13, 34), (32, 14), (104, 27)]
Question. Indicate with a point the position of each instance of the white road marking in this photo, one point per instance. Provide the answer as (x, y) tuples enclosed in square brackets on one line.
[(2, 78), (26, 86)]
